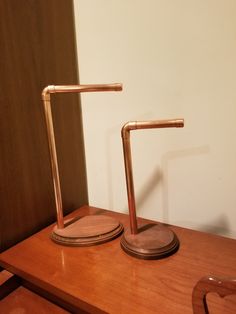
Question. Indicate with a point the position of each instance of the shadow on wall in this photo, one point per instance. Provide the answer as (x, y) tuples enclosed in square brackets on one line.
[(160, 176), (147, 189), (166, 159), (154, 179), (220, 225)]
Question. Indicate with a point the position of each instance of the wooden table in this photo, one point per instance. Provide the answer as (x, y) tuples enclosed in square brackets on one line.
[(103, 278), (22, 300)]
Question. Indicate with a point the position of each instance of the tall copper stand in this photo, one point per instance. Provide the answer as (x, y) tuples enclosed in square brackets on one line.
[(150, 241), (87, 230)]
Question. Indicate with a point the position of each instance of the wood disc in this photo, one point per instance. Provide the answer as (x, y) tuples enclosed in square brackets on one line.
[(87, 230), (153, 241)]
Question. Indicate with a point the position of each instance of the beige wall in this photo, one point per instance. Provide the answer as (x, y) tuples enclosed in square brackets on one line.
[(176, 58)]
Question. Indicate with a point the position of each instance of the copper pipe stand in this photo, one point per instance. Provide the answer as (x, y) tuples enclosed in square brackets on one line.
[(87, 231), (150, 241), (153, 241)]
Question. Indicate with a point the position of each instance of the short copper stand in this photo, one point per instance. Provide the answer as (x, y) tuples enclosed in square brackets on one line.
[(150, 241), (87, 230)]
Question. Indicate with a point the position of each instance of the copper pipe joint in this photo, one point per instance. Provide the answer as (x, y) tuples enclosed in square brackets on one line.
[(125, 133), (50, 131)]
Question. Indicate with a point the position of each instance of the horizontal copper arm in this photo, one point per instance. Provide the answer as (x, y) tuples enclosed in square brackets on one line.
[(51, 89), (155, 124)]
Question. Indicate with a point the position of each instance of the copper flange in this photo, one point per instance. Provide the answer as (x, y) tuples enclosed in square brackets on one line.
[(87, 231), (153, 241)]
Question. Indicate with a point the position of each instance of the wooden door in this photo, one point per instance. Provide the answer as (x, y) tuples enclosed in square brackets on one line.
[(37, 48)]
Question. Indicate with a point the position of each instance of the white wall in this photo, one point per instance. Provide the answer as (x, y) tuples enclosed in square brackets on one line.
[(175, 58)]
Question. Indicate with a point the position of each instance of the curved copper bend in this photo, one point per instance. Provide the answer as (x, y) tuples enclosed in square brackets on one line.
[(221, 286), (50, 131), (125, 133)]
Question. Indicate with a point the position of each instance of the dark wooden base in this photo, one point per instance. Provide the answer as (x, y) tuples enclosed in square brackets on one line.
[(153, 241), (87, 231)]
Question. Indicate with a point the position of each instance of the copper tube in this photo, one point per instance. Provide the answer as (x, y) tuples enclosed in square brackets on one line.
[(51, 136), (51, 89), (125, 133)]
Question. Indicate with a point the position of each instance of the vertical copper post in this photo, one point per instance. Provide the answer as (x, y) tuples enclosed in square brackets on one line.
[(129, 176), (53, 158), (50, 132), (125, 133)]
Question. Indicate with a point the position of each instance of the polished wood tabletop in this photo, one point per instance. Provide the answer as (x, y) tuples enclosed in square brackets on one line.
[(104, 279)]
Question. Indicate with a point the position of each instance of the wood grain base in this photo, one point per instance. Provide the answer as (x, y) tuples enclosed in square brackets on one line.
[(153, 241), (87, 231)]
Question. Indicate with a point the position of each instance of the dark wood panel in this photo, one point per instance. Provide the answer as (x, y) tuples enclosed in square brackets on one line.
[(37, 48)]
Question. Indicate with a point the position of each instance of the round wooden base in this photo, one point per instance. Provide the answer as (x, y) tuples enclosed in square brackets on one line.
[(87, 231), (153, 241)]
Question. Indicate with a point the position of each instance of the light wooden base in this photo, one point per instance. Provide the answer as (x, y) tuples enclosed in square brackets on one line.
[(87, 231)]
